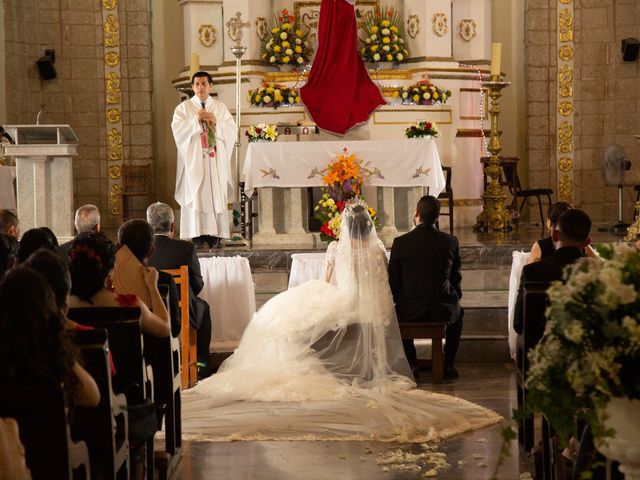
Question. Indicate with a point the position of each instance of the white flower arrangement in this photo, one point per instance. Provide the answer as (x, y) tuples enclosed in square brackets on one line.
[(262, 132), (591, 348)]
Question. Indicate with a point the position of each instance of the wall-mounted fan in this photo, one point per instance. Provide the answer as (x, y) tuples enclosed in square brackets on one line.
[(615, 164)]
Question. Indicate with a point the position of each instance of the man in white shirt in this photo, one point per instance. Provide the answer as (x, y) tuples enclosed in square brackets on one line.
[(205, 135)]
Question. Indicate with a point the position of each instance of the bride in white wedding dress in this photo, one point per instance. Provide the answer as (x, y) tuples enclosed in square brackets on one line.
[(324, 361)]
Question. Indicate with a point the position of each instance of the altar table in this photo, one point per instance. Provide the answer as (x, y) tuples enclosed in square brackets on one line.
[(230, 293), (387, 163)]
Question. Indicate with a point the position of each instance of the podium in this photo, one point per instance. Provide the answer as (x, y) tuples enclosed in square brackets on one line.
[(44, 176)]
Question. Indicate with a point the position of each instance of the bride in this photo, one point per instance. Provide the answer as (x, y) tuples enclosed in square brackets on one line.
[(324, 361)]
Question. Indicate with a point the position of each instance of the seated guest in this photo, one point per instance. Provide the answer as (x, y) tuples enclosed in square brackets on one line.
[(424, 276), (171, 253), (137, 236), (33, 344), (87, 220), (8, 253), (570, 237), (35, 239), (9, 223), (544, 247), (91, 261)]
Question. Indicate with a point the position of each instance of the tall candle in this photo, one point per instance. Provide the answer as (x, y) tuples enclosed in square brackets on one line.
[(194, 67), (496, 52)]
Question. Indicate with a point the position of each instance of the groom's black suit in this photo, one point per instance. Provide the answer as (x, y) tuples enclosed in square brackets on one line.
[(424, 275)]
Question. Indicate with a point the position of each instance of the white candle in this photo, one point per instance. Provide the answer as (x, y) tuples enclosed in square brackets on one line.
[(194, 67), (496, 52)]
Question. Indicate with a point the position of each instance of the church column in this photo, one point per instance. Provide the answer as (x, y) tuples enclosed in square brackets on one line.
[(294, 217), (413, 195), (429, 28), (389, 230), (204, 31), (265, 212)]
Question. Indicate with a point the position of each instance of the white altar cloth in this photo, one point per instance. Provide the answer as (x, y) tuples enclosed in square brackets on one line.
[(519, 261), (389, 163), (7, 192), (230, 293)]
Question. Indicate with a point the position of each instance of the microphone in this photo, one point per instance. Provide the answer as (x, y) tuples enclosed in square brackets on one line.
[(204, 124)]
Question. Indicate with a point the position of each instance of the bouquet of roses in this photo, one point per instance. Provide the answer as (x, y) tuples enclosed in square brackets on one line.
[(262, 132), (422, 129), (344, 180), (287, 44), (382, 37), (424, 93), (274, 95)]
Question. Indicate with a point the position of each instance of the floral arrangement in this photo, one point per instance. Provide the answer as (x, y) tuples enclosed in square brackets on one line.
[(424, 93), (287, 44), (343, 180), (382, 37), (591, 349), (422, 129), (274, 95), (262, 132)]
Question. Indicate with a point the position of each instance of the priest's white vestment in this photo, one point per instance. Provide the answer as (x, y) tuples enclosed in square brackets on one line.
[(203, 183)]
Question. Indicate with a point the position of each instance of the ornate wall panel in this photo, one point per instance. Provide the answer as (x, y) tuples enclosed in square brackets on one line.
[(113, 94), (565, 101)]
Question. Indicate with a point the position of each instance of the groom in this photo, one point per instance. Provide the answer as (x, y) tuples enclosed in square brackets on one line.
[(424, 275)]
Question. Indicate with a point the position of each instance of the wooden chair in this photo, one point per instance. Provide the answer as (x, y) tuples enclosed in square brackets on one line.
[(435, 331), (534, 322), (447, 194), (136, 182), (105, 427), (41, 414), (189, 334)]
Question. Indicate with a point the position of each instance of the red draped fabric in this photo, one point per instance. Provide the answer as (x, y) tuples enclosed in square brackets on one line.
[(339, 93)]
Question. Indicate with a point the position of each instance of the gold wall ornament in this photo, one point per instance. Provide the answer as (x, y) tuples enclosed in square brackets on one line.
[(113, 98), (207, 35), (565, 108), (565, 53), (115, 172), (565, 164), (112, 59), (413, 26), (566, 25), (114, 193), (114, 210), (114, 139), (109, 4), (565, 2), (565, 137), (565, 188), (467, 29), (439, 24), (111, 31), (114, 115), (261, 28), (112, 81)]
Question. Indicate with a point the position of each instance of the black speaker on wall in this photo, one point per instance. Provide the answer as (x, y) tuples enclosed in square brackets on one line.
[(46, 66), (630, 49)]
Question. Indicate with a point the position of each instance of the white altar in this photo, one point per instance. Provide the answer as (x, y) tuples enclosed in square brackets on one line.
[(388, 164), (44, 174)]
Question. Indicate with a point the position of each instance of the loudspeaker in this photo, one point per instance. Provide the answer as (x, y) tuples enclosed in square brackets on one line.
[(45, 65), (630, 48)]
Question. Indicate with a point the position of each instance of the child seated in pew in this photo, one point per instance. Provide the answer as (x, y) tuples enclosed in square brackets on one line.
[(91, 261), (34, 347)]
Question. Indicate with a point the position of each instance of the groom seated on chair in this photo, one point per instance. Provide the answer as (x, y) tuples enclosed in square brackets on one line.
[(424, 276)]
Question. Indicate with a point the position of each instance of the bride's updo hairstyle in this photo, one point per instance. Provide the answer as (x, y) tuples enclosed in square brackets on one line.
[(91, 258), (358, 221)]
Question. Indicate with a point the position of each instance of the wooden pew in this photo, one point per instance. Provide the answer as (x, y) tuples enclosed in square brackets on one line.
[(104, 428), (41, 414), (534, 323), (189, 334), (435, 331), (133, 377)]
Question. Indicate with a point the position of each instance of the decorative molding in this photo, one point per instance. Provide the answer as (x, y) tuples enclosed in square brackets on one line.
[(413, 26), (439, 24), (113, 99), (467, 29), (565, 120), (261, 28), (207, 35)]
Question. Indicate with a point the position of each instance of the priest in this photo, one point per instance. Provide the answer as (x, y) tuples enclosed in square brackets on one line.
[(205, 135)]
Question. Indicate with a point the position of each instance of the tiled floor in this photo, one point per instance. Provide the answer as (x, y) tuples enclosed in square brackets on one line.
[(472, 456)]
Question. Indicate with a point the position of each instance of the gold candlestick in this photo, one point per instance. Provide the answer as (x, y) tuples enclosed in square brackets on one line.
[(494, 215)]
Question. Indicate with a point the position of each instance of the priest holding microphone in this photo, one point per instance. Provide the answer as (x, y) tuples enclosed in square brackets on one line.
[(205, 134)]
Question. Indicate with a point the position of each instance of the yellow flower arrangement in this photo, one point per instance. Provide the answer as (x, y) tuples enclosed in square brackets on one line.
[(382, 37), (274, 95), (287, 44)]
